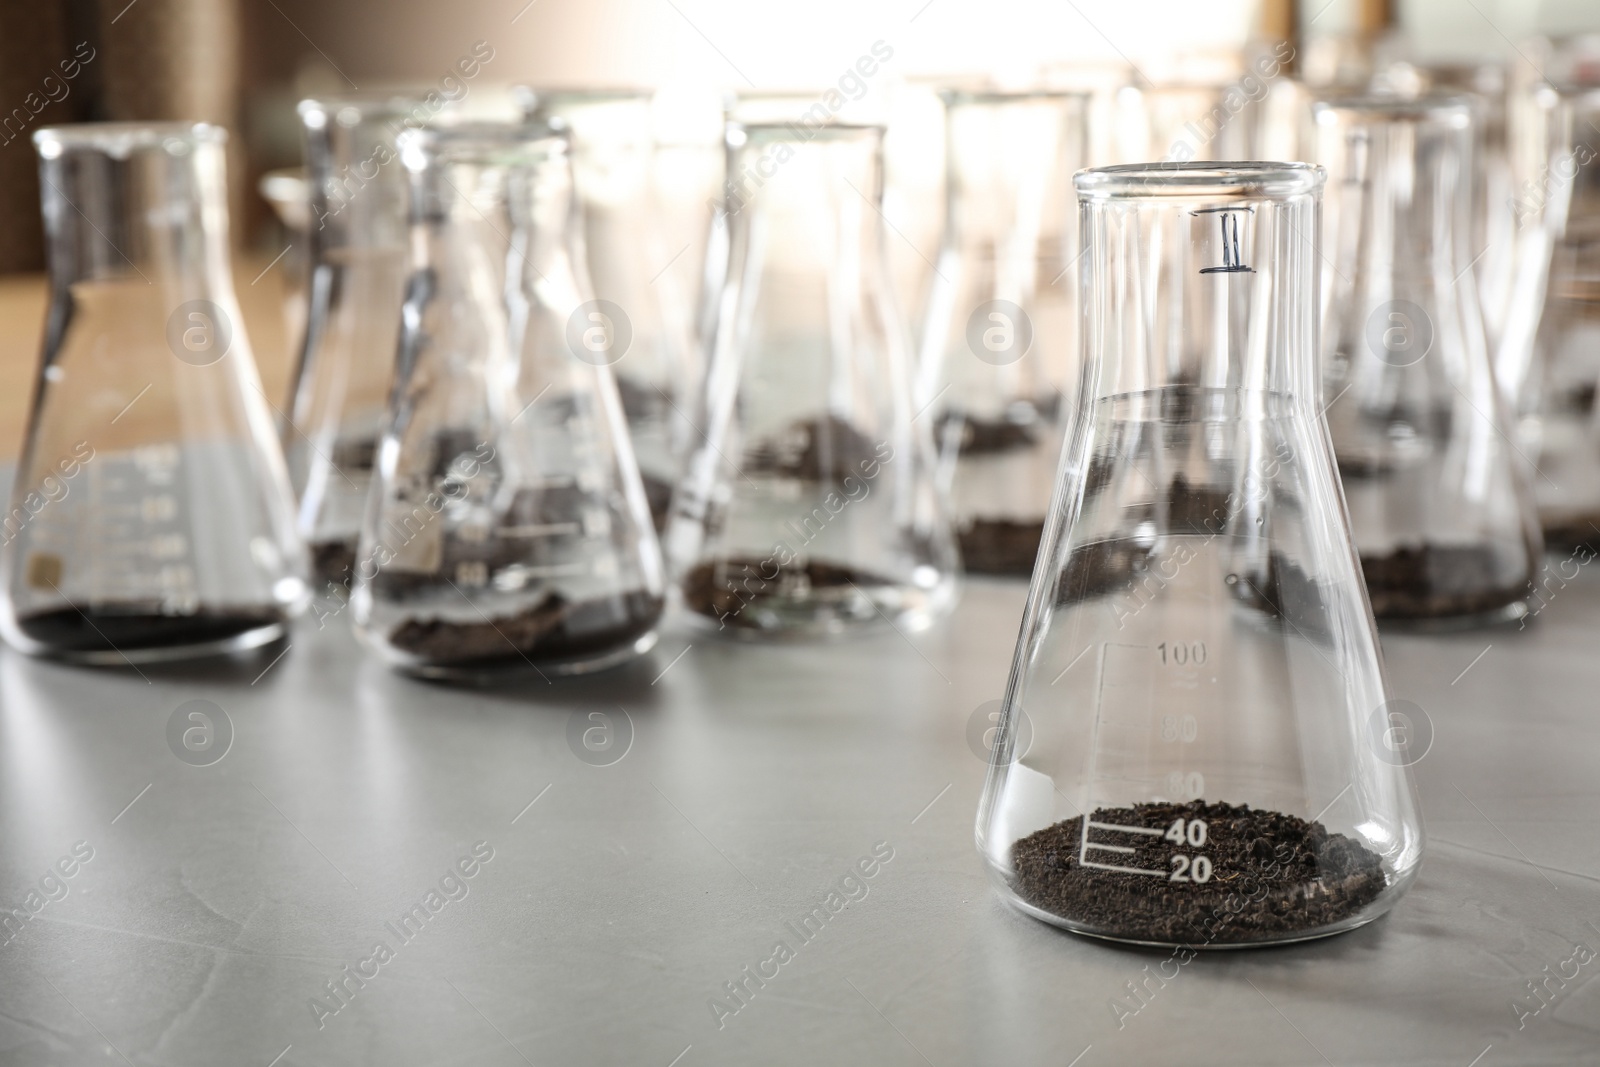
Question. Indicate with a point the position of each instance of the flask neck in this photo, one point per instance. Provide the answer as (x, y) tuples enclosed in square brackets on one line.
[(1008, 168), (1215, 295), (357, 185), (807, 200), (139, 203), (1415, 216)]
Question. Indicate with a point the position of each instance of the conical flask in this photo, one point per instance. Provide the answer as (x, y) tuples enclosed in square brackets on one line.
[(1442, 516), (809, 506), (613, 159), (999, 340), (507, 527), (1560, 209), (151, 516), (1195, 746), (340, 391)]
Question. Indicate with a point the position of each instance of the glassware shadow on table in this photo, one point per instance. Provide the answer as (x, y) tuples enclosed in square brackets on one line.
[(340, 390), (1435, 483), (1198, 670), (999, 340), (615, 167), (507, 528), (151, 516), (809, 507)]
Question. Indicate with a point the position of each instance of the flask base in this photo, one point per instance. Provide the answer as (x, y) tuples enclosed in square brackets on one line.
[(1200, 942), (1196, 873), (109, 636), (487, 672), (751, 598), (554, 636)]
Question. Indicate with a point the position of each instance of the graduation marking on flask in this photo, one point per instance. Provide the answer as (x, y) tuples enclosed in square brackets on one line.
[(1232, 262)]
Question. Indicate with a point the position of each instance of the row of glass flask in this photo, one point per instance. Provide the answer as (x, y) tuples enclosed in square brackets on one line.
[(1197, 743), (1196, 628)]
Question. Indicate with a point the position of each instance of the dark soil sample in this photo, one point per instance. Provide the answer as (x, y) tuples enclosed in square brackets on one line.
[(1102, 567), (1363, 468), (1285, 592), (1581, 398), (1195, 509), (1441, 581), (1000, 546), (659, 495), (640, 400), (1572, 534), (1178, 402), (1101, 470), (333, 561), (356, 455), (977, 437), (114, 627), (1265, 875), (1010, 547), (553, 629), (450, 445), (814, 450), (724, 588)]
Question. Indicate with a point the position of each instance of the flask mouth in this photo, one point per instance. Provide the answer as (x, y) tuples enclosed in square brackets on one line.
[(508, 143), (120, 140), (352, 109), (960, 96), (534, 97), (740, 133), (1255, 180), (1453, 110)]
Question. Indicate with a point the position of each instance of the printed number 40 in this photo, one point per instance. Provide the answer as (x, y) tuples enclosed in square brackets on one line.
[(1190, 832)]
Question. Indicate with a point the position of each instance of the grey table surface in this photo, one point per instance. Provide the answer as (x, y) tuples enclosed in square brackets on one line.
[(221, 900)]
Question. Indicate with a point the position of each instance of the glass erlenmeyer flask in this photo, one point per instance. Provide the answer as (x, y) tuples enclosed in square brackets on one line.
[(507, 526), (1561, 420), (999, 340), (151, 516), (340, 391), (809, 506), (613, 157), (1442, 516), (1198, 670)]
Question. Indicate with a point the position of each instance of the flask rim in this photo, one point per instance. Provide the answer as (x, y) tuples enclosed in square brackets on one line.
[(1454, 109), (970, 96), (490, 143), (529, 96), (740, 133), (369, 106), (1579, 93), (1248, 180), (121, 139)]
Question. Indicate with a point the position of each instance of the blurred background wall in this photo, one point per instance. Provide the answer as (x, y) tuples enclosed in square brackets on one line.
[(244, 63)]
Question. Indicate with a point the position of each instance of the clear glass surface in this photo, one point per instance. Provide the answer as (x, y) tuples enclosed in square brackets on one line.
[(1489, 182), (999, 339), (507, 528), (809, 506), (1188, 751), (151, 516), (1436, 486), (340, 389), (1560, 421), (615, 164)]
